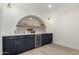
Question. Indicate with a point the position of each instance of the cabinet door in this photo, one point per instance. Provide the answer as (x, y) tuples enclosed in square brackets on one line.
[(46, 38), (30, 42), (10, 46), (22, 44), (26, 43)]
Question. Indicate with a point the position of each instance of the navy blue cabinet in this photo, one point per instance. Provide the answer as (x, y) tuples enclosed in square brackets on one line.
[(30, 41), (22, 44), (46, 38), (13, 45), (10, 45)]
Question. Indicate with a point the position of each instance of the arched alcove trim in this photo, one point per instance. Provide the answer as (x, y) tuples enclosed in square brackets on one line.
[(24, 24), (31, 16)]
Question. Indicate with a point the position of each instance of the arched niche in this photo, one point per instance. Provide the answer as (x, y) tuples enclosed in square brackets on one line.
[(30, 24)]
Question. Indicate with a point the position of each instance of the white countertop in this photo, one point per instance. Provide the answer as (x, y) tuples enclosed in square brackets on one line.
[(23, 34)]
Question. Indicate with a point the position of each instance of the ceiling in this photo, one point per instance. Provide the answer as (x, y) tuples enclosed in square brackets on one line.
[(43, 7)]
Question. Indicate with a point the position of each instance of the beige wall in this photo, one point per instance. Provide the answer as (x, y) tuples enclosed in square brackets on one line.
[(67, 28), (0, 19), (0, 30)]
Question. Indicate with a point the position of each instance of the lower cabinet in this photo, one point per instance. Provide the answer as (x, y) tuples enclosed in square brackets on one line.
[(30, 42), (22, 44), (26, 43), (13, 45), (46, 38), (10, 46)]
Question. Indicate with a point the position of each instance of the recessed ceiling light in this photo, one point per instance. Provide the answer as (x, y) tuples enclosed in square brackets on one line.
[(50, 6)]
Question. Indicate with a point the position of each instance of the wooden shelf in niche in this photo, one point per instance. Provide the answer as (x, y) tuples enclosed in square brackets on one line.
[(30, 26)]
